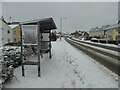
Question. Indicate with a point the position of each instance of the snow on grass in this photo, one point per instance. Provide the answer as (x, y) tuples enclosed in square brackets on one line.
[(104, 44), (68, 68)]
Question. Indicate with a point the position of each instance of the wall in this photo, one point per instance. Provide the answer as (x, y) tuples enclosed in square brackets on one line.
[(0, 33), (5, 33), (96, 33), (0, 24), (16, 35), (111, 34)]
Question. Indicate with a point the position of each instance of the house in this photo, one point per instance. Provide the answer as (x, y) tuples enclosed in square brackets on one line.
[(98, 32), (109, 32), (118, 36), (113, 32), (16, 34), (85, 34), (5, 32), (92, 32), (77, 33)]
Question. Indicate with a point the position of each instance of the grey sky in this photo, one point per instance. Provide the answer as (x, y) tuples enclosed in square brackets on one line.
[(80, 15)]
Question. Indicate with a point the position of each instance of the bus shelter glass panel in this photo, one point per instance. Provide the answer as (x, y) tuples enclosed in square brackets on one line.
[(45, 36), (29, 34), (29, 37), (45, 45)]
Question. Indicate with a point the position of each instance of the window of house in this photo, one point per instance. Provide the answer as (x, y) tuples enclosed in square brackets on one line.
[(110, 37), (110, 30), (8, 40), (15, 40), (118, 37), (105, 32), (14, 32), (118, 29), (8, 31)]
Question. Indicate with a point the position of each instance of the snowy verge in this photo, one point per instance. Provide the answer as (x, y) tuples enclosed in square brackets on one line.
[(110, 45), (99, 48)]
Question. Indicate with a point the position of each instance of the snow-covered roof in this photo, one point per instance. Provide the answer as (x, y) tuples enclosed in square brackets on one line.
[(106, 27), (114, 26), (99, 29), (79, 32), (2, 19), (96, 29), (13, 26)]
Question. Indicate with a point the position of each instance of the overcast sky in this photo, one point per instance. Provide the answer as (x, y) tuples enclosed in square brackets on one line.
[(80, 15)]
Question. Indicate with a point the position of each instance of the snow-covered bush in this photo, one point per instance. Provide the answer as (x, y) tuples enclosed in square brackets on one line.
[(7, 73), (0, 73), (10, 58)]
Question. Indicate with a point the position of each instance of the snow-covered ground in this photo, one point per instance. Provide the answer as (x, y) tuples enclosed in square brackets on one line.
[(68, 68)]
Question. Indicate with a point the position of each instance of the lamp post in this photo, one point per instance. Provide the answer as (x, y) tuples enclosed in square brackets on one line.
[(61, 19)]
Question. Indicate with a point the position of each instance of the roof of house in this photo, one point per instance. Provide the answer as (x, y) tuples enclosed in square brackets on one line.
[(106, 27), (2, 19), (114, 26)]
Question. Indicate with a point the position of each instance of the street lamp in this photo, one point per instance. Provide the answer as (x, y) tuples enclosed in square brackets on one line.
[(61, 19)]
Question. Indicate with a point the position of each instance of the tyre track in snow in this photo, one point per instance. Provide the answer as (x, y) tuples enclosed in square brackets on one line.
[(111, 63)]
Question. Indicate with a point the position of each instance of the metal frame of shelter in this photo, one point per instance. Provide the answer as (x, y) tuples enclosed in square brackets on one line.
[(43, 26)]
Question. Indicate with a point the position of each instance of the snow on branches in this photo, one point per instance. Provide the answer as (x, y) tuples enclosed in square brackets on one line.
[(10, 57)]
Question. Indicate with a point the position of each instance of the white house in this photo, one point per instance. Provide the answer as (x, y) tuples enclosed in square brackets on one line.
[(5, 33)]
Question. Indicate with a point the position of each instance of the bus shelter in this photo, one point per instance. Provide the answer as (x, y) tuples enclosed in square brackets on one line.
[(35, 41)]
